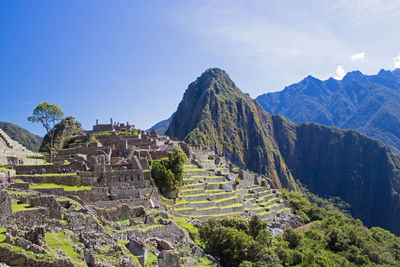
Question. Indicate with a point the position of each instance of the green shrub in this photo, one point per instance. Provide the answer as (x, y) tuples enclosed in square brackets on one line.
[(168, 172)]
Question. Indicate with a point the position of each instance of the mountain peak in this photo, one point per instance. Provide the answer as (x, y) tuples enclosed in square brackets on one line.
[(353, 75)]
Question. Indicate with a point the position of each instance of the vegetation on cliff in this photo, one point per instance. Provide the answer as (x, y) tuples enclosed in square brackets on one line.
[(214, 113), (332, 162), (22, 136), (64, 131), (329, 239)]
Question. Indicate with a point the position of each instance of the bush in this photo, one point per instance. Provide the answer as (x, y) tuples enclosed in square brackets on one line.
[(168, 172)]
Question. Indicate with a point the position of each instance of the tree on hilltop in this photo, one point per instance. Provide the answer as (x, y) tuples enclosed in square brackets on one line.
[(48, 115)]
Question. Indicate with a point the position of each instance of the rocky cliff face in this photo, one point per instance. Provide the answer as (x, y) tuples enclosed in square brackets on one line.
[(216, 114), (333, 162), (64, 130)]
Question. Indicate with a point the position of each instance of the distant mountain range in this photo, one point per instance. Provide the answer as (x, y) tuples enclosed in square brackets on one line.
[(327, 160), (162, 126), (369, 104), (22, 136)]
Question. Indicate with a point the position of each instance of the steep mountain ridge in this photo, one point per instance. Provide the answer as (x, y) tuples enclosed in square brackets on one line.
[(162, 126), (216, 114), (347, 164), (22, 136), (329, 161), (366, 103)]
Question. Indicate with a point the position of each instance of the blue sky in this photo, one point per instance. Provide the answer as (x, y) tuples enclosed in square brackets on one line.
[(133, 60)]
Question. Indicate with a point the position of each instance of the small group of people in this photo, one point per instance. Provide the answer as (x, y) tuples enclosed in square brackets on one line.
[(42, 171), (64, 170)]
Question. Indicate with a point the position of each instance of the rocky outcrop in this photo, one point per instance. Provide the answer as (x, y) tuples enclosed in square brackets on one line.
[(63, 133)]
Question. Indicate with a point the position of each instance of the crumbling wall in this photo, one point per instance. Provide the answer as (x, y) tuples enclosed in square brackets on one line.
[(5, 208), (120, 212)]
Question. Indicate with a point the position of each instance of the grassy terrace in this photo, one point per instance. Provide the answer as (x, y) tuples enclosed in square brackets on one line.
[(189, 166), (261, 198), (213, 215), (267, 207), (48, 174), (21, 207), (187, 185), (62, 242), (3, 234), (216, 201), (78, 206), (4, 169), (205, 194), (20, 193), (268, 212), (66, 187)]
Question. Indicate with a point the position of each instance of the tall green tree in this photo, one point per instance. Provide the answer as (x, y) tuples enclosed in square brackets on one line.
[(48, 115)]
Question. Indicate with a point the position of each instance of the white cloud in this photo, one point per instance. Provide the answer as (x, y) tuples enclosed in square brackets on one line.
[(358, 56), (279, 45), (340, 72), (396, 61)]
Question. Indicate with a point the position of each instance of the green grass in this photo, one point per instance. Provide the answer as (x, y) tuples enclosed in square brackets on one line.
[(184, 208), (62, 242), (21, 207), (4, 170), (66, 187), (76, 203), (220, 182), (150, 258), (191, 185), (181, 201), (20, 181), (148, 227), (212, 215), (34, 165), (3, 234), (48, 174), (123, 243), (193, 230), (191, 189), (261, 198), (204, 262), (20, 193), (233, 206)]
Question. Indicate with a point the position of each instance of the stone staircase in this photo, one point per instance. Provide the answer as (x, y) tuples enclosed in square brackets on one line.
[(208, 192)]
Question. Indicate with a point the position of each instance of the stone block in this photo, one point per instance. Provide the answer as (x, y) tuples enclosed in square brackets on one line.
[(5, 208)]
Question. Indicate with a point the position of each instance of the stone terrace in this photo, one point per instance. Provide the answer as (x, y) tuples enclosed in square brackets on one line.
[(212, 190)]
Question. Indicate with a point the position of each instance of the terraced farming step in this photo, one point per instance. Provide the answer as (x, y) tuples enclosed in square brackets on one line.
[(204, 179), (202, 197)]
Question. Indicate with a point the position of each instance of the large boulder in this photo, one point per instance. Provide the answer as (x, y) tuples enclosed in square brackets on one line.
[(168, 258)]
